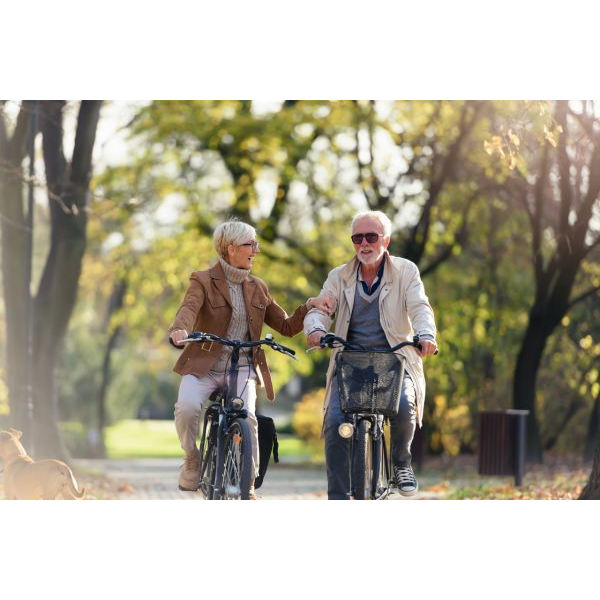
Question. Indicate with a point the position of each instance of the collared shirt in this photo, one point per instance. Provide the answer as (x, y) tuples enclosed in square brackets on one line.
[(376, 281)]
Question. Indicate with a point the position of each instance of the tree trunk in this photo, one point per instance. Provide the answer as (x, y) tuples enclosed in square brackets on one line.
[(15, 243), (115, 304), (592, 490), (68, 193), (593, 433), (524, 383), (48, 440)]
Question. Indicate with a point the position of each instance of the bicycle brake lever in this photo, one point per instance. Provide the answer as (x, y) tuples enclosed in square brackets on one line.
[(284, 350)]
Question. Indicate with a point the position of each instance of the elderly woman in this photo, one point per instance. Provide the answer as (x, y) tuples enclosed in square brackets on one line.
[(229, 302)]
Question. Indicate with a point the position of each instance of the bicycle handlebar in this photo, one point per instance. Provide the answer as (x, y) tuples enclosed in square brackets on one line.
[(201, 337), (329, 340)]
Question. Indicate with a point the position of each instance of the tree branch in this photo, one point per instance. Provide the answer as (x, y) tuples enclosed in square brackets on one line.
[(372, 184), (460, 238), (593, 245), (17, 145), (566, 191), (537, 217), (85, 136), (421, 141), (590, 292), (584, 213)]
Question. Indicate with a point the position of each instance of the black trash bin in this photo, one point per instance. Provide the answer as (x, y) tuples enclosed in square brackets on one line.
[(501, 441)]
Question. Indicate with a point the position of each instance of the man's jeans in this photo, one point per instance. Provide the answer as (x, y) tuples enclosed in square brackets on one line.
[(338, 449)]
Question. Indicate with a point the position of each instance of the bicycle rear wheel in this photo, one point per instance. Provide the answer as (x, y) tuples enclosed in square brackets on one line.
[(236, 457), (362, 462), (208, 457)]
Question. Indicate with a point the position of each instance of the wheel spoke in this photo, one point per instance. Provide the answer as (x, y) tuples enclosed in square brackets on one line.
[(233, 461)]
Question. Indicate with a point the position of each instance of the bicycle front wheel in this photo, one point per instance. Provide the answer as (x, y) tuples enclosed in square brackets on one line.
[(362, 463), (236, 457), (381, 469)]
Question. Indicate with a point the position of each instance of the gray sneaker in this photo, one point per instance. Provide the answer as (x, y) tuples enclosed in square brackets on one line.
[(406, 481)]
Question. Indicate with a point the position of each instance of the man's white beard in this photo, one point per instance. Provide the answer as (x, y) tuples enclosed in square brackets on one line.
[(370, 259)]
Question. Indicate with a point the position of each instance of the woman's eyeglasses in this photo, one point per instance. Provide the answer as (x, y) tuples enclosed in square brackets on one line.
[(255, 245), (371, 238)]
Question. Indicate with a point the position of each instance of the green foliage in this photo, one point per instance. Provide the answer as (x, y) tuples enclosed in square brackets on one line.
[(307, 419), (299, 171)]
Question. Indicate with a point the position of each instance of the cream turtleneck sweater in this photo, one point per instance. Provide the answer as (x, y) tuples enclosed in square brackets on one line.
[(238, 326)]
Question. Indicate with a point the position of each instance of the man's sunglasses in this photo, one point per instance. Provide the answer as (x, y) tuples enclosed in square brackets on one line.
[(371, 238), (255, 245)]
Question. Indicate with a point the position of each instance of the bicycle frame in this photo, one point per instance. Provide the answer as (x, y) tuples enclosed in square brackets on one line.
[(224, 415)]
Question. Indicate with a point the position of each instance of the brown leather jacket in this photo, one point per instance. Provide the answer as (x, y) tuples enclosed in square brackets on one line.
[(207, 307)]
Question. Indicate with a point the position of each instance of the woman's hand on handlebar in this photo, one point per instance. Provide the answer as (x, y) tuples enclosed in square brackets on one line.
[(176, 336)]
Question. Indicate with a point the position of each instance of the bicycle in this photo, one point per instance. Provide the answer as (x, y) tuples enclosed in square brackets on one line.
[(370, 384), (225, 446)]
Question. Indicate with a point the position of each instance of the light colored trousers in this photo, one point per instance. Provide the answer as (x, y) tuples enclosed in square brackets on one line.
[(193, 391)]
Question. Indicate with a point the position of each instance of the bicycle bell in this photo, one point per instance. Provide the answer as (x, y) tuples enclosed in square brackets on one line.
[(237, 404)]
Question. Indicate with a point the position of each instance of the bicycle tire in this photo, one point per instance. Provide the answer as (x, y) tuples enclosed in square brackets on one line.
[(381, 481), (362, 462), (234, 461), (208, 458)]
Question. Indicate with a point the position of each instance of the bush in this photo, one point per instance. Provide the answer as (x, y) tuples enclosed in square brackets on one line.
[(307, 419)]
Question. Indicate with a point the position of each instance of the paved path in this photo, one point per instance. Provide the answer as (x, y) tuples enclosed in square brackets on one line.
[(156, 479)]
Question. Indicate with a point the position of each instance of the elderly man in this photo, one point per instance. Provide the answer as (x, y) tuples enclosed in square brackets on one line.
[(380, 303)]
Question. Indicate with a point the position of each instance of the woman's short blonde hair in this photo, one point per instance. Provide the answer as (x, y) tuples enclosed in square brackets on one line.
[(232, 232), (374, 214)]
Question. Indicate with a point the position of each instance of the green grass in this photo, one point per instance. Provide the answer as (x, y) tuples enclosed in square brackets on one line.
[(142, 439), (158, 439)]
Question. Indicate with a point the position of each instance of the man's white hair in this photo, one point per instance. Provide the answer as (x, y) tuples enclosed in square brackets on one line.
[(232, 232), (374, 214)]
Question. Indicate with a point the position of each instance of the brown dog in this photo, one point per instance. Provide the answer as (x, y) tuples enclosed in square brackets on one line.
[(26, 479)]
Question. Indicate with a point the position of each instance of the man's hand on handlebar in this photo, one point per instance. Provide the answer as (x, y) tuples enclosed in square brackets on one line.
[(428, 348), (314, 339)]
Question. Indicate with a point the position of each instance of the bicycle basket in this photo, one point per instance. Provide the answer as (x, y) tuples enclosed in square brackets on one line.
[(369, 382)]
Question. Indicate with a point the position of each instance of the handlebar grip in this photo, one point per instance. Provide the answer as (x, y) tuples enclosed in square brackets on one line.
[(327, 339), (286, 349)]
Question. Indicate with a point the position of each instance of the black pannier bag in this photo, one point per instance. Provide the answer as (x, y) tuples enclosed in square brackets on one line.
[(267, 443)]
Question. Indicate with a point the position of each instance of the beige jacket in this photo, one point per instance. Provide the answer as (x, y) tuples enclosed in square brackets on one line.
[(404, 310)]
